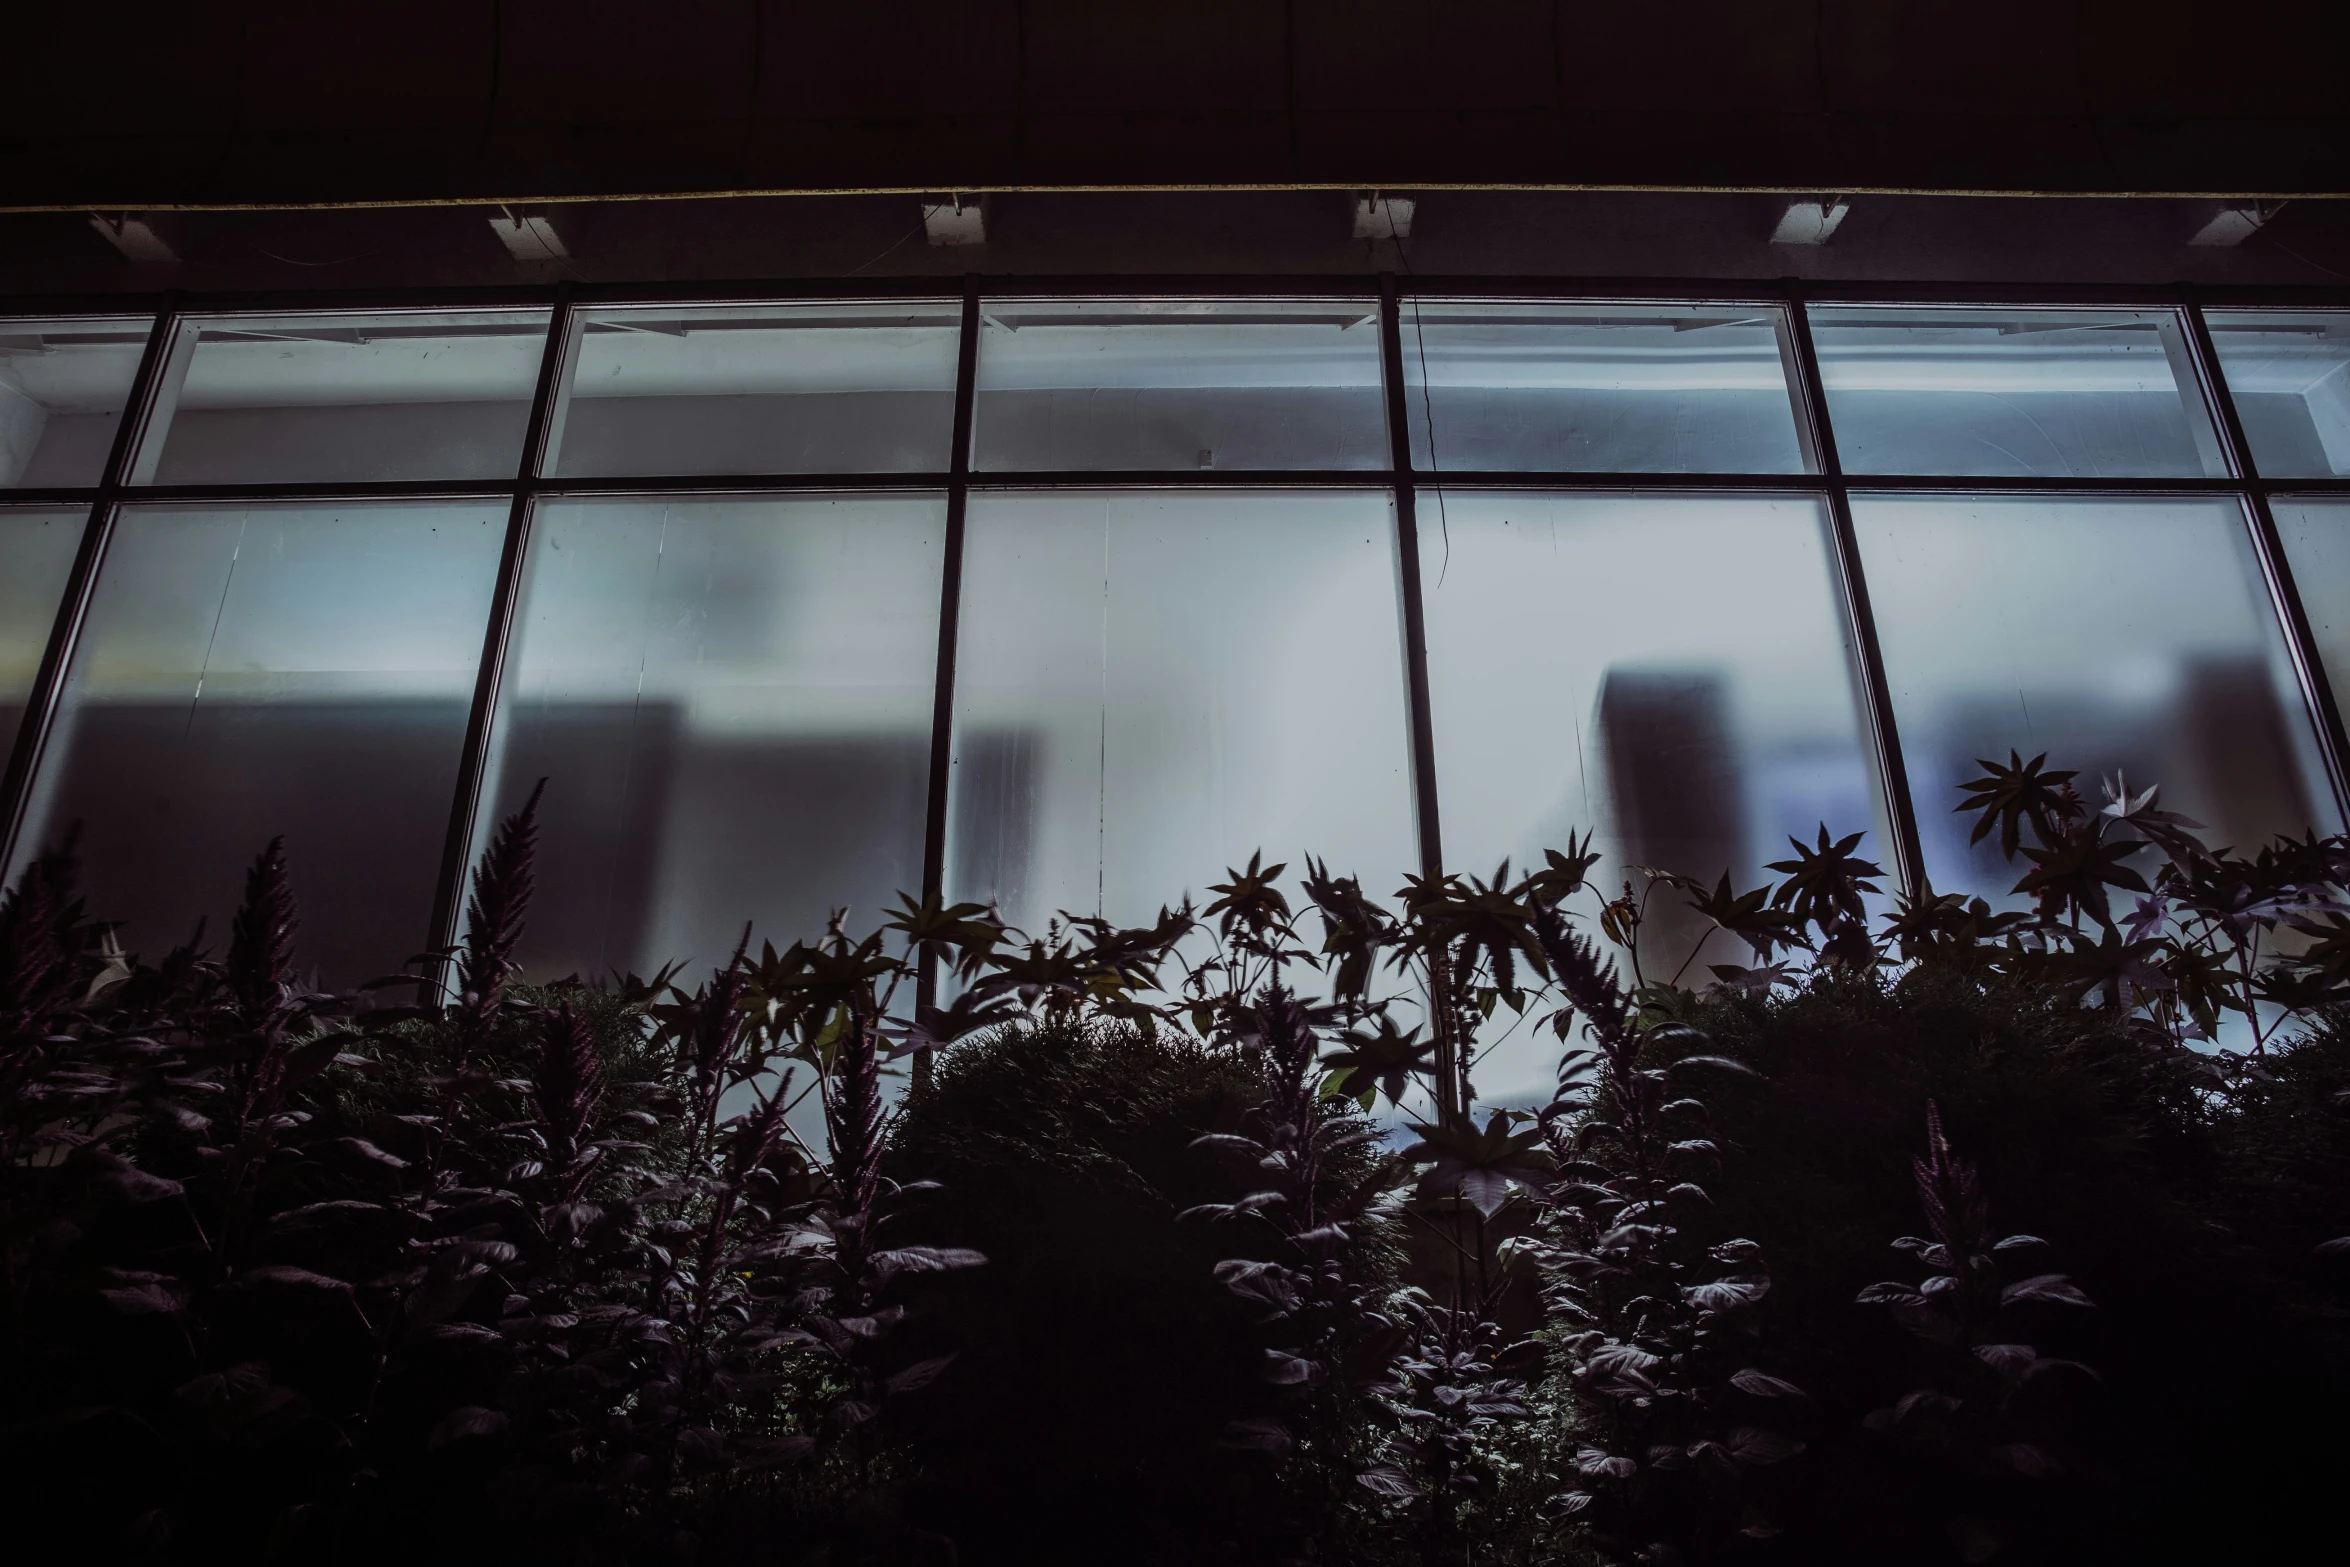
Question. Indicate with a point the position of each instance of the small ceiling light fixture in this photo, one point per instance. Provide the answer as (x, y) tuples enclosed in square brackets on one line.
[(528, 236), (135, 235), (1810, 222), (1384, 217), (954, 220), (2235, 224)]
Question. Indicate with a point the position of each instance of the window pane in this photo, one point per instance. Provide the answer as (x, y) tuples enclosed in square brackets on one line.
[(1693, 725), (1597, 388), (1144, 384), (2289, 372), (2038, 393), (317, 399), (1152, 686), (2115, 635), (2317, 546), (731, 702), (762, 389), (63, 384), (36, 556), (303, 670)]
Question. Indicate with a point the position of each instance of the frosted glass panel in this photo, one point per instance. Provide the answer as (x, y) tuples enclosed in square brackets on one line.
[(762, 389), (63, 384), (36, 556), (2289, 374), (1625, 388), (246, 672), (2317, 544), (1151, 686), (1667, 673), (2115, 635), (1164, 384), (320, 399), (731, 702), (2037, 393)]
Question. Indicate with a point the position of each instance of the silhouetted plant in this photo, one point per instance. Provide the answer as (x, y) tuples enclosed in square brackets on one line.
[(1994, 1411)]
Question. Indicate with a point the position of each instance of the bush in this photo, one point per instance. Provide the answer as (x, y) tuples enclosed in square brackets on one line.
[(1098, 1358), (2184, 1215)]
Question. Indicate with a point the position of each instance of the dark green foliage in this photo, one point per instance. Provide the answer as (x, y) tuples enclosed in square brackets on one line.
[(1100, 1360), (2209, 1347), (546, 1274)]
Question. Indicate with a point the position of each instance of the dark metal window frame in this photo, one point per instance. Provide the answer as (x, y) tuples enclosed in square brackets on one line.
[(1827, 482)]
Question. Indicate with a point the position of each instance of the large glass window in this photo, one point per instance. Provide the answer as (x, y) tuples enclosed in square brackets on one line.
[(2130, 638), (1666, 673), (731, 703), (63, 387), (325, 399), (1152, 686), (252, 671), (761, 389), (1161, 384), (1630, 388), (37, 546), (2026, 393), (2316, 535), (2289, 376)]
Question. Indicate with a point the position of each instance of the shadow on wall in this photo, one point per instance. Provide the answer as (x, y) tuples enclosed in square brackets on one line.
[(657, 841)]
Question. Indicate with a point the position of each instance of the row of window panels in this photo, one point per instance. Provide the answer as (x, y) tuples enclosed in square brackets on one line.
[(1095, 386), (730, 699)]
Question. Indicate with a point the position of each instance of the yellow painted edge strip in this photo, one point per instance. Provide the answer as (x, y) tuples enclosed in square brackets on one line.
[(118, 205)]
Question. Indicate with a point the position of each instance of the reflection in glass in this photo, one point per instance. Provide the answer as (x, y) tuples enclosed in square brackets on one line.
[(2289, 374), (731, 702), (832, 388), (2119, 636), (63, 384), (319, 399), (2316, 534), (1693, 725), (1630, 388), (246, 672), (1152, 686), (36, 556), (1165, 384), (2028, 393)]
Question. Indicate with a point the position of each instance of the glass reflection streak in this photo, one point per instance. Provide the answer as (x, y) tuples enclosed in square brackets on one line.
[(37, 547), (1104, 385), (303, 670), (2289, 374), (1630, 388), (2034, 393), (731, 702), (63, 385), (321, 399), (833, 388), (1153, 686)]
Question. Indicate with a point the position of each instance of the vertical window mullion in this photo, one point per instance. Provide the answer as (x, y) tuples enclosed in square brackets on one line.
[(1449, 1072), (498, 635), (40, 714), (1884, 735), (950, 607), (1407, 543), (2275, 569)]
